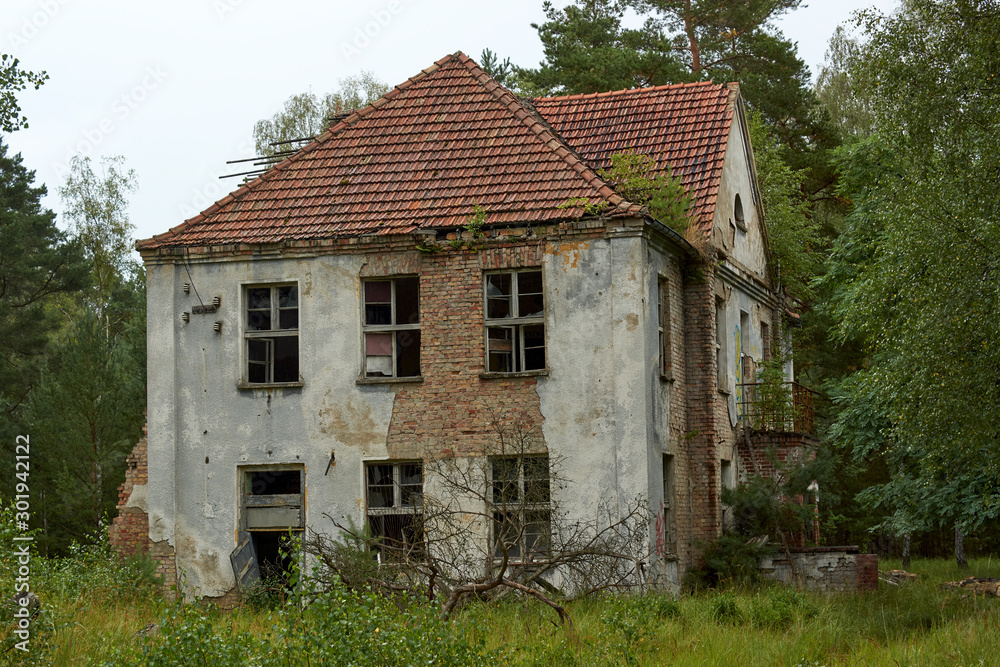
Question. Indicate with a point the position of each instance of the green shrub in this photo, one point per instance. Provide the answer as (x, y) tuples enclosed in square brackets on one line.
[(94, 569), (726, 609)]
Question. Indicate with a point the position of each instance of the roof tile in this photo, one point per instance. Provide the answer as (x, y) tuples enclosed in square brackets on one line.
[(450, 138)]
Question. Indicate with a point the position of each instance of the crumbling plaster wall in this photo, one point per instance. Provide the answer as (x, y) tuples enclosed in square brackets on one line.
[(606, 413), (203, 428)]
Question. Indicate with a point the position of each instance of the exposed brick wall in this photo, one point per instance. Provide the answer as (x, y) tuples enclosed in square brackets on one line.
[(867, 568), (450, 412), (704, 518), (129, 531), (166, 566), (769, 452)]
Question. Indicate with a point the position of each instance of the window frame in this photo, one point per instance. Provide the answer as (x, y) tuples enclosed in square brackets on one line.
[(664, 332), (394, 329), (516, 324), (414, 510), (525, 512), (250, 335)]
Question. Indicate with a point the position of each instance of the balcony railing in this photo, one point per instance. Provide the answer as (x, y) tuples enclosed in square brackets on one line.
[(787, 407)]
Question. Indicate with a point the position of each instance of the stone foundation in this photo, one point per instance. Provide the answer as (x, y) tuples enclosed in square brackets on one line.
[(824, 569)]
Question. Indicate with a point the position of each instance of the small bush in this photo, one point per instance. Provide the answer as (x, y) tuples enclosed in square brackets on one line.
[(726, 609)]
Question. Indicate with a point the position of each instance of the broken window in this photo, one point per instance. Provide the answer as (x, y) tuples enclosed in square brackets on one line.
[(668, 520), (273, 509), (392, 327), (515, 321), (272, 334), (721, 360), (522, 512), (394, 493), (663, 326)]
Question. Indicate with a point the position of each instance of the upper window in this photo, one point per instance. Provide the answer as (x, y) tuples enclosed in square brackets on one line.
[(663, 326), (392, 327), (738, 213), (394, 494), (515, 322), (522, 513), (272, 334)]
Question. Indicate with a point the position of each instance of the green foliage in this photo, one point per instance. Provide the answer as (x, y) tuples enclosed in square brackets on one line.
[(13, 79), (333, 626), (638, 178), (591, 46), (92, 569), (474, 224), (726, 609), (835, 89), (630, 624), (39, 264), (97, 207), (305, 115), (88, 410), (917, 263), (793, 236)]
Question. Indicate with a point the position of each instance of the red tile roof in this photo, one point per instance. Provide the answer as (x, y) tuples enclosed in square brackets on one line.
[(685, 126), (450, 138)]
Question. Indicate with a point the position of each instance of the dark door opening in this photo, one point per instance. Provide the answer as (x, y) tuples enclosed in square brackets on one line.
[(273, 510), (274, 558)]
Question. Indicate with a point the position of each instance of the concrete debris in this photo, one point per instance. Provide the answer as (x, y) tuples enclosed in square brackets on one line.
[(897, 577), (980, 586)]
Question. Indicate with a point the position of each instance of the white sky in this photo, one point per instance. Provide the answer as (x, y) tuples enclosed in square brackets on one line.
[(176, 86)]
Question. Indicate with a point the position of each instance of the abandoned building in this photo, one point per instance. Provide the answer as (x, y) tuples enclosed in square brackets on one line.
[(364, 306)]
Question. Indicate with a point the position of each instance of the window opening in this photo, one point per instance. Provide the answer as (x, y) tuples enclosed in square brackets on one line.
[(394, 493), (272, 334), (273, 510), (392, 327), (522, 512), (515, 322), (668, 520), (663, 326), (720, 344), (738, 213)]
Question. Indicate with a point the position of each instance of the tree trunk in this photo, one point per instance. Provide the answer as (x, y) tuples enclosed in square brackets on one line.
[(906, 551), (960, 549), (689, 29)]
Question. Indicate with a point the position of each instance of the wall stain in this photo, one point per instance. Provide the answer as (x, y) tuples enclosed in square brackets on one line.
[(631, 322), (349, 421)]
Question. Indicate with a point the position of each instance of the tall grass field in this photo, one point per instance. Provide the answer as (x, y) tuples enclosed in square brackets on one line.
[(97, 611)]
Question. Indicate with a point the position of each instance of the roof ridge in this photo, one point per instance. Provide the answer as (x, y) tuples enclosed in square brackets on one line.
[(318, 141), (548, 136), (629, 91)]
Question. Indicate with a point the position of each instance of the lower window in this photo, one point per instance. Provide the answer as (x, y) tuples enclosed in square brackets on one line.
[(394, 493), (522, 514)]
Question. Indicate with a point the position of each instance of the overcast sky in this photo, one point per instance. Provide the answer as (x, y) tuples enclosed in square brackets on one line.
[(177, 86)]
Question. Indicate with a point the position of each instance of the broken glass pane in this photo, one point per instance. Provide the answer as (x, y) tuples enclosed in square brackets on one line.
[(407, 307)]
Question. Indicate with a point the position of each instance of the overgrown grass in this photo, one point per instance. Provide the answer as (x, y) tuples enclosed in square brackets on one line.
[(915, 624)]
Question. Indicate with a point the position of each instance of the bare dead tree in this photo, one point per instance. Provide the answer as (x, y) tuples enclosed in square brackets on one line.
[(490, 525)]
